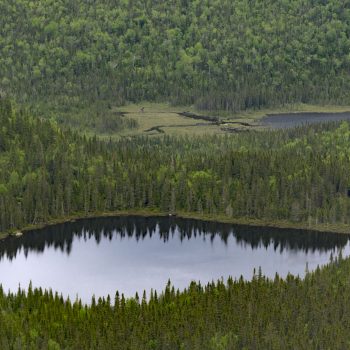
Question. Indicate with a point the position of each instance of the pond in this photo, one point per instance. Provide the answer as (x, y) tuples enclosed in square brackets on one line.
[(289, 120), (131, 254)]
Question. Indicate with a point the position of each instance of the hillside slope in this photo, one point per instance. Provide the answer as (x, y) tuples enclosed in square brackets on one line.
[(216, 54)]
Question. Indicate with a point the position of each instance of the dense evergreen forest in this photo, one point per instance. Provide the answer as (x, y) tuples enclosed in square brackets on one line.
[(219, 54), (299, 175), (313, 313)]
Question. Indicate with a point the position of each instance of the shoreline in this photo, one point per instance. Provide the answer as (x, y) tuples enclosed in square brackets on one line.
[(282, 224)]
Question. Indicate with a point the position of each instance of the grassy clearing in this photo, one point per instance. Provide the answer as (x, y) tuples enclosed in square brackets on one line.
[(157, 119), (161, 118), (166, 118)]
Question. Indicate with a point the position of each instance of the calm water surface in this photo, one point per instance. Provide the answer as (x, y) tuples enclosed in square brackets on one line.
[(129, 254), (290, 120)]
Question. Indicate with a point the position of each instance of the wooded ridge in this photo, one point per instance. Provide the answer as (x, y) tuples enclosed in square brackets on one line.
[(227, 55)]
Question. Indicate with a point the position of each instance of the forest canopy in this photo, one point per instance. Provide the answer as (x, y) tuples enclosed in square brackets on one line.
[(218, 54)]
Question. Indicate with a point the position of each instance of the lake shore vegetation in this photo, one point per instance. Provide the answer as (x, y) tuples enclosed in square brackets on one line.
[(298, 176)]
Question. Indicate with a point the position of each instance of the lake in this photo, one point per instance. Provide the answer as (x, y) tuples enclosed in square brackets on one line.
[(289, 120), (131, 254)]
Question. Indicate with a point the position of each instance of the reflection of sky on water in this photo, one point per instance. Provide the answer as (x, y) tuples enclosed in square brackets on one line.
[(129, 265), (289, 120)]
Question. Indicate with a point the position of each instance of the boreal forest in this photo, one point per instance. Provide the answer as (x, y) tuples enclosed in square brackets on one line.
[(228, 55), (68, 68)]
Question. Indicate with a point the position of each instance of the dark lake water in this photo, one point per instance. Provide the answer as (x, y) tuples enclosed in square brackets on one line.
[(289, 120), (129, 254)]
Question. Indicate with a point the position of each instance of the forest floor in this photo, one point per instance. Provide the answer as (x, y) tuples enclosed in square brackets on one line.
[(283, 224), (156, 119)]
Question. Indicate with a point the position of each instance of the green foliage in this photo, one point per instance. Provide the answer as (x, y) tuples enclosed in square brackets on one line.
[(220, 54)]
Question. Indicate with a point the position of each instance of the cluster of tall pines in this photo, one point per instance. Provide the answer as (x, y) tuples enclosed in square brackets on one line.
[(220, 54), (46, 172)]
